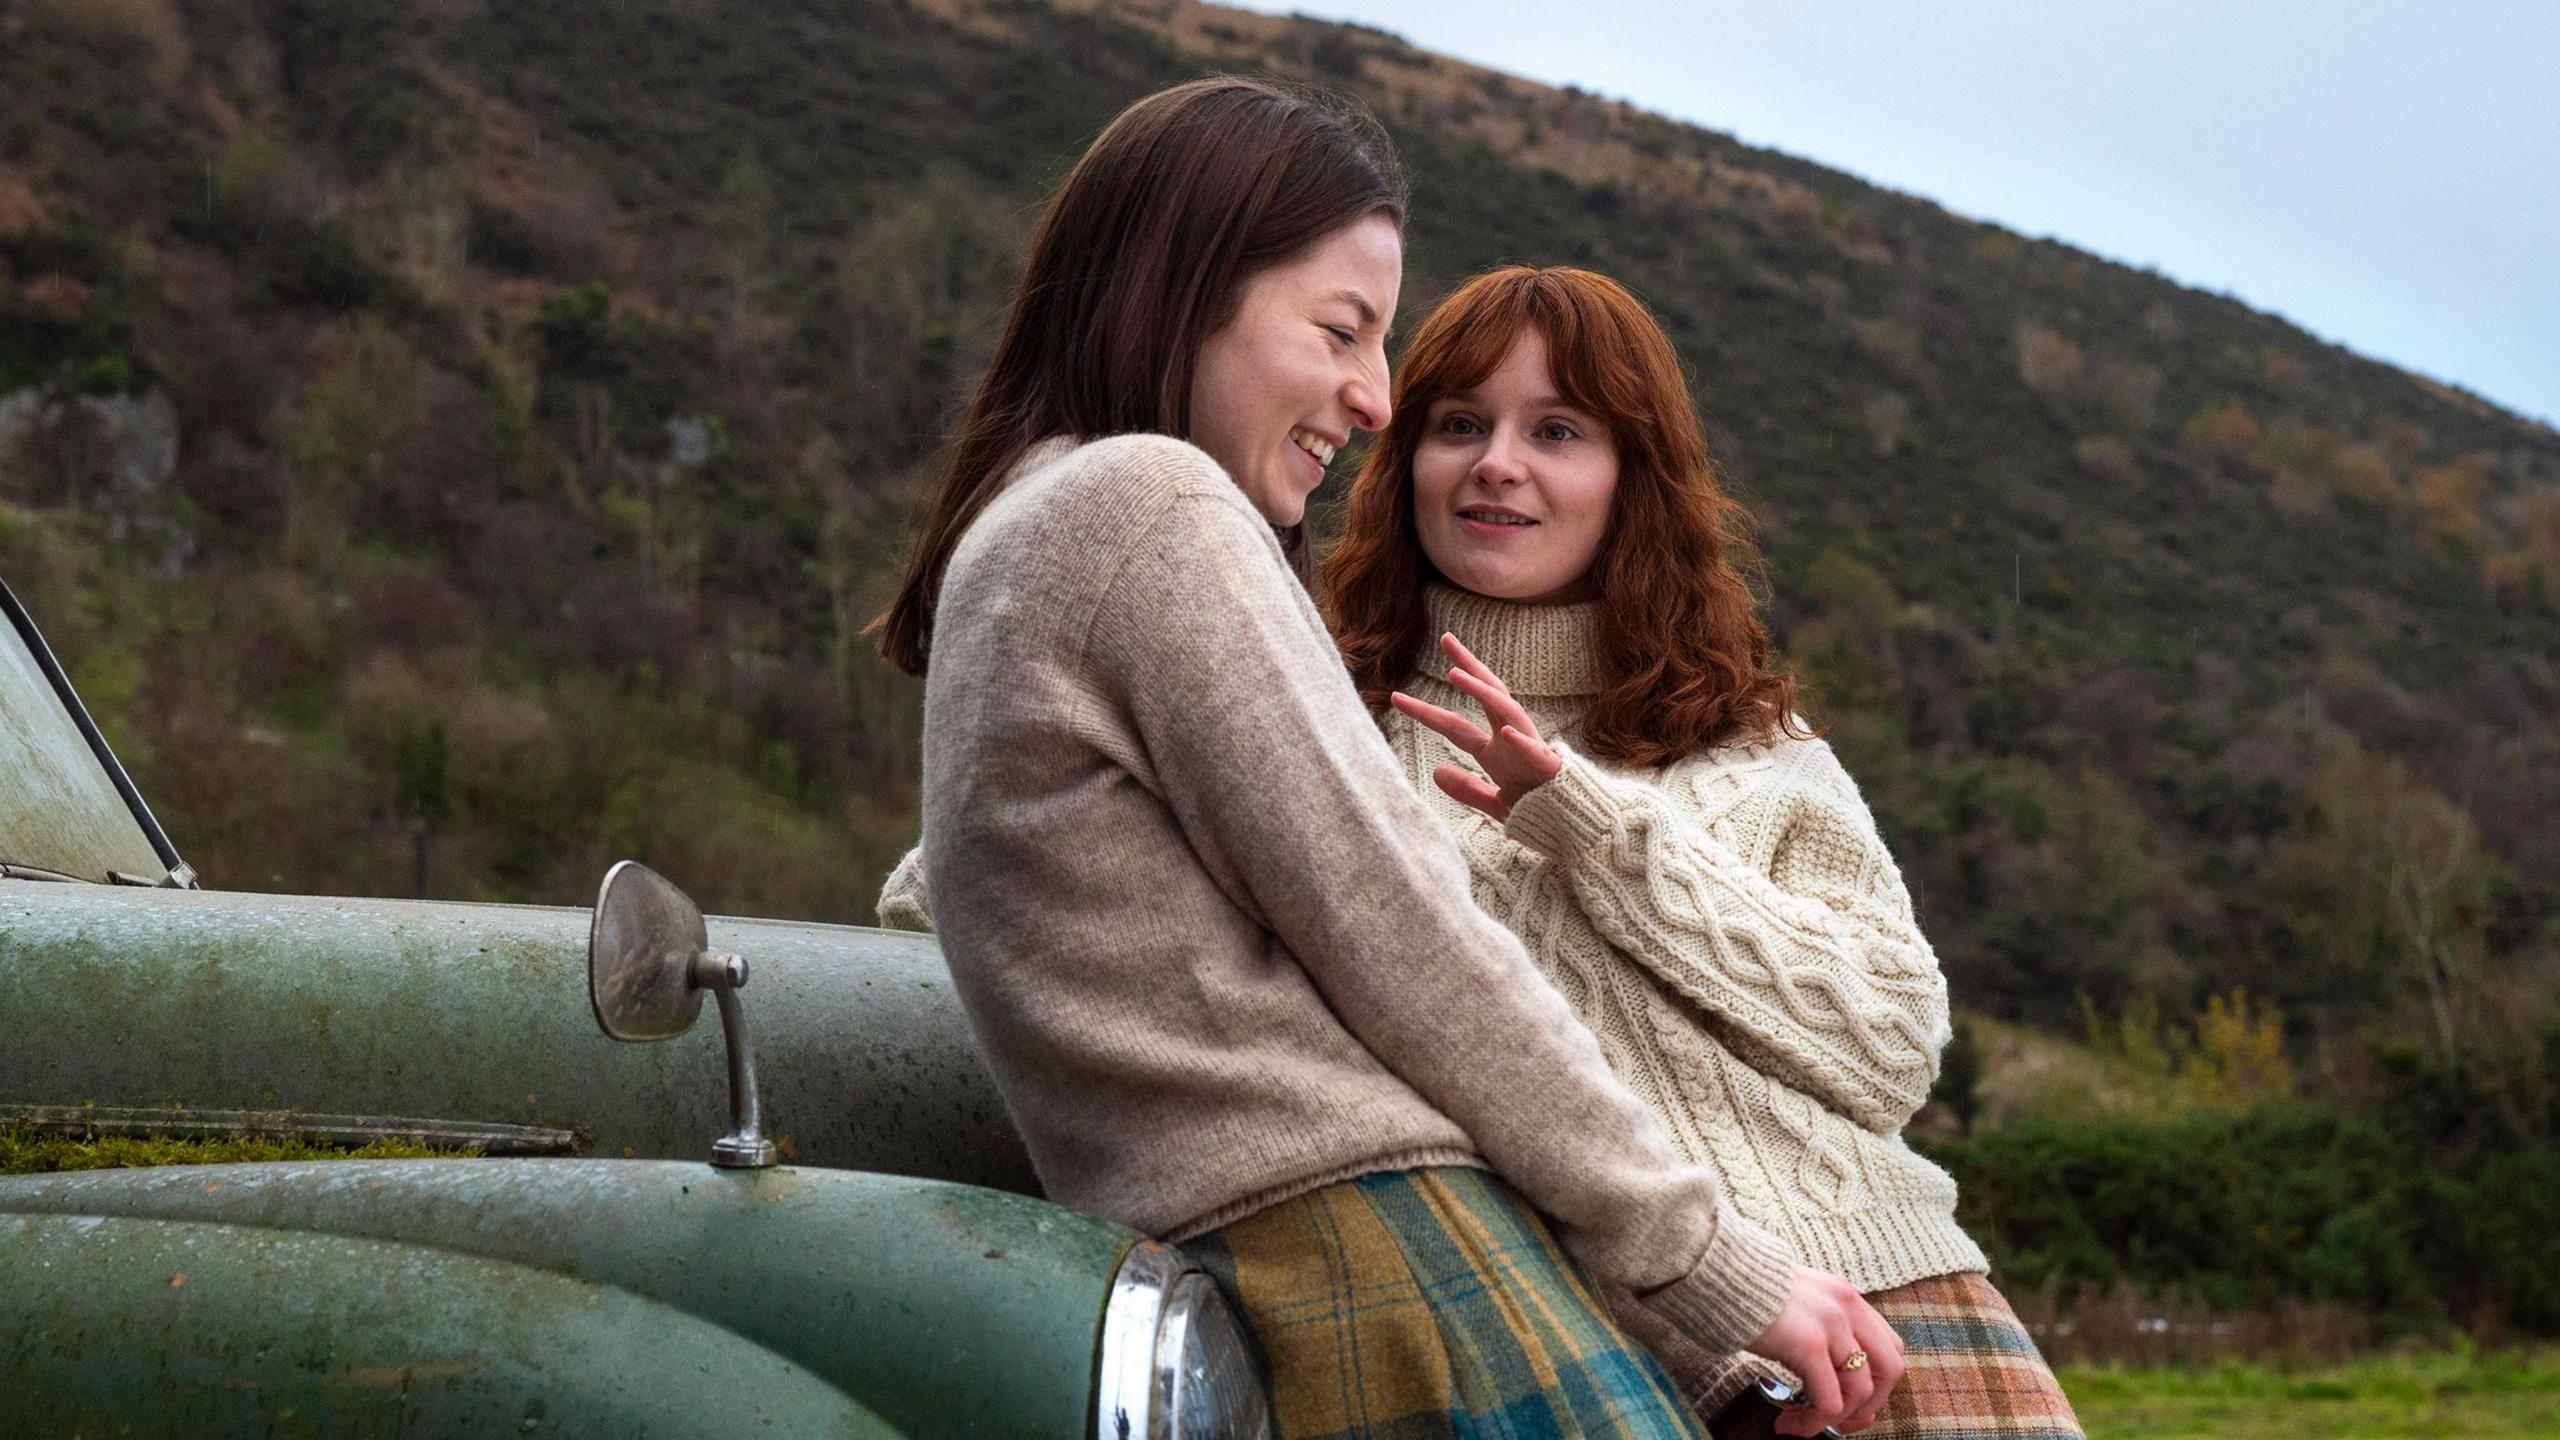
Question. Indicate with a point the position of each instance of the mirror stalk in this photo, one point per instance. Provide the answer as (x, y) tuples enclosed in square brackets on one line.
[(744, 1147)]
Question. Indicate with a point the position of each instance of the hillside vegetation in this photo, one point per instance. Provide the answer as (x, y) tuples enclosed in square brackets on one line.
[(456, 445)]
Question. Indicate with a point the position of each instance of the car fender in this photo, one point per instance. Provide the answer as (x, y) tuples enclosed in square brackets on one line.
[(173, 1004), (936, 1308)]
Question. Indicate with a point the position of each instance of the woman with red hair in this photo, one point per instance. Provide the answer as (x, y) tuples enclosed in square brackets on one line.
[(1539, 536)]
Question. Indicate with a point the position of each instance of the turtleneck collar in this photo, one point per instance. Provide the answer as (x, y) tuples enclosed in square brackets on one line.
[(1538, 650)]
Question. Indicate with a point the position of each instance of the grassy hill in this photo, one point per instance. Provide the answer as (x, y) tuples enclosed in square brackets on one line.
[(458, 444)]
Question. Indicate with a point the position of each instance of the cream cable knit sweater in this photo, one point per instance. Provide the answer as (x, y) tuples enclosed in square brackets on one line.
[(1214, 949), (1735, 930)]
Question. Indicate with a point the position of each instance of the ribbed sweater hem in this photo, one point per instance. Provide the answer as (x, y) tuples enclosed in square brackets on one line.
[(1261, 1200), (1881, 1249)]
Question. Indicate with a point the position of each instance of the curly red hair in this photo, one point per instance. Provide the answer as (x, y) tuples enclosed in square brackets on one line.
[(1684, 655)]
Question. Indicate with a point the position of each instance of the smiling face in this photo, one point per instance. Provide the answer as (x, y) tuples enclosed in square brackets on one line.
[(1281, 386), (1512, 486)]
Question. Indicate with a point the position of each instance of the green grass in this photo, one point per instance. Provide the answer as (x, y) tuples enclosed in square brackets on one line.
[(2462, 1393), (28, 1153)]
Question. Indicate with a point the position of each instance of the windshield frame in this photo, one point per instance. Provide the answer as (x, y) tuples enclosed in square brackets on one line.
[(181, 875)]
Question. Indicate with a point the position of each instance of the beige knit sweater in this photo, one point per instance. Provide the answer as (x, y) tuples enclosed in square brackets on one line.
[(1213, 947), (1736, 932)]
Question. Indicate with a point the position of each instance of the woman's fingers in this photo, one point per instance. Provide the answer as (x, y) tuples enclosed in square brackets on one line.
[(1516, 762), (1514, 756), (1470, 789), (1465, 659), (1821, 1405), (1884, 1358), (1883, 1348), (1457, 729), (1857, 1388), (1498, 705)]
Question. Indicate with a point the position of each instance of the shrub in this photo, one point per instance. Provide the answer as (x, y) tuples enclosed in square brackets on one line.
[(2290, 1201), (501, 239), (2450, 497), (575, 328), (2108, 459), (2363, 472), (318, 265), (153, 26), (2125, 393), (2227, 428), (2048, 362)]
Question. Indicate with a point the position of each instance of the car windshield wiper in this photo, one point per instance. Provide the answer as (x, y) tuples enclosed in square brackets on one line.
[(12, 870)]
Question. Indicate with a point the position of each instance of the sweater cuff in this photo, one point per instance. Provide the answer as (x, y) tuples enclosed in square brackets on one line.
[(1569, 814), (903, 904), (1737, 1290)]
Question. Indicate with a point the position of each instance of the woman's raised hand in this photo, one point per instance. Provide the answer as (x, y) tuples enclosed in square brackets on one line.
[(1513, 756)]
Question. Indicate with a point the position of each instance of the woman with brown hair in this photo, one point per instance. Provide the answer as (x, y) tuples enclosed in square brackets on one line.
[(1540, 537), (1225, 974)]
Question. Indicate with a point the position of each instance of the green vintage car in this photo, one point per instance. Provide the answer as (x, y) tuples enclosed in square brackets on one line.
[(622, 1257)]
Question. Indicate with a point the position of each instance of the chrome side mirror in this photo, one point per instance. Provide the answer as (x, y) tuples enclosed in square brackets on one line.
[(649, 958)]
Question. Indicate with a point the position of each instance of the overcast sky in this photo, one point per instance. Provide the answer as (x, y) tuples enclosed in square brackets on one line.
[(2384, 174)]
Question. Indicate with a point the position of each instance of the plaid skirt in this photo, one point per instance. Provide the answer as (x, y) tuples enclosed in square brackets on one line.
[(1971, 1368), (1428, 1303)]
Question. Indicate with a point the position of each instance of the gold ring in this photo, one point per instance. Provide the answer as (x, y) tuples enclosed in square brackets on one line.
[(1857, 1361)]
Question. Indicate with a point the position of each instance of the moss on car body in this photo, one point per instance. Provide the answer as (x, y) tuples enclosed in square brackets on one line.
[(29, 1152)]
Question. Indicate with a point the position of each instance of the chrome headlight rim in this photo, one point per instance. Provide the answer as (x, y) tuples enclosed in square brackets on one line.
[(1160, 1301)]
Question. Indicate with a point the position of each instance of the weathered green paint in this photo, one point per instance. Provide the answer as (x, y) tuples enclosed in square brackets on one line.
[(943, 1309), (229, 1001), (140, 1327)]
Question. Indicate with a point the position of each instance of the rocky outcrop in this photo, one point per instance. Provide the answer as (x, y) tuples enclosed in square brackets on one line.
[(108, 455)]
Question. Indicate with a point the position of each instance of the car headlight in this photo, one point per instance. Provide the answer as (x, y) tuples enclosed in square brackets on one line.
[(1176, 1361)]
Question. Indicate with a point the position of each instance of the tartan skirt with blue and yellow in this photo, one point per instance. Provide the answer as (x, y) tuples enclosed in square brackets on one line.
[(1428, 1303)]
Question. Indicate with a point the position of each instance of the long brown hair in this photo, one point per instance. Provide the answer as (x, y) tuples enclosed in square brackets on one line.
[(1684, 658), (1143, 254)]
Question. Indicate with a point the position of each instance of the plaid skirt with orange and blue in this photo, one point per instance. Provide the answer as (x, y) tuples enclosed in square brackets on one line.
[(1431, 1303), (1972, 1368)]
